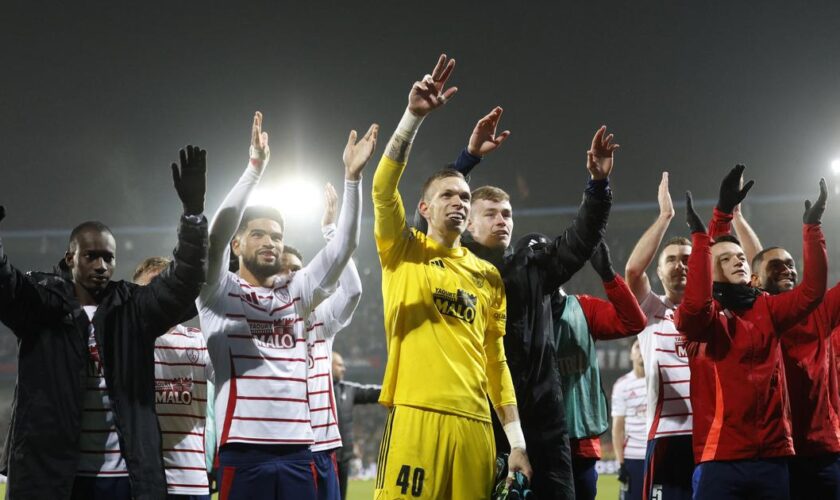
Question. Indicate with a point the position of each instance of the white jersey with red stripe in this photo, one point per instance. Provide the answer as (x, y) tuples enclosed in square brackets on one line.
[(99, 444), (257, 341), (666, 370), (629, 400), (181, 404), (256, 337)]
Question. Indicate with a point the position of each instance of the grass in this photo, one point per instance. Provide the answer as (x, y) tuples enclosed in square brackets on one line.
[(363, 490), (607, 489)]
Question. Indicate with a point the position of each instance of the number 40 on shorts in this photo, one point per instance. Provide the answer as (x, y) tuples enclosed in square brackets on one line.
[(406, 478)]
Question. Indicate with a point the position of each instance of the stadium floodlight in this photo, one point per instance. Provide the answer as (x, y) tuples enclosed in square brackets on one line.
[(296, 198), (835, 166)]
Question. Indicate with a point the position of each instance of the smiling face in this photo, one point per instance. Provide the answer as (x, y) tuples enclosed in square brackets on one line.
[(259, 246), (446, 205), (730, 263), (775, 271)]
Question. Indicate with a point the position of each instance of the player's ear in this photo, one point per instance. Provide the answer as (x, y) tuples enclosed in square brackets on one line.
[(423, 208), (234, 246), (754, 281)]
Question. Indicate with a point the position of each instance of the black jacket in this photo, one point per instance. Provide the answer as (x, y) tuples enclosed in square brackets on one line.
[(42, 448), (347, 395), (531, 274)]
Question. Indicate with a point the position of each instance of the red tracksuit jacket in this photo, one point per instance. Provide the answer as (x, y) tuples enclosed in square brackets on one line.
[(809, 351), (619, 317), (738, 388)]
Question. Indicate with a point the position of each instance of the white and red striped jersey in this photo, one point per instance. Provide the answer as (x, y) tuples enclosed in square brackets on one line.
[(629, 400), (181, 403), (99, 444), (330, 317), (666, 370), (256, 337)]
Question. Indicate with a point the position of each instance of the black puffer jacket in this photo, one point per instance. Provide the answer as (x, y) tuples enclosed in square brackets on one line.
[(42, 448), (531, 273)]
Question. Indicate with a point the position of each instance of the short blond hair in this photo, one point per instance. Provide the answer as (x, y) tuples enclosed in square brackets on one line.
[(490, 193), (151, 264)]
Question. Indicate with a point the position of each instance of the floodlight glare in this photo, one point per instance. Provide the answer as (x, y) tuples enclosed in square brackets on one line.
[(296, 198), (835, 167)]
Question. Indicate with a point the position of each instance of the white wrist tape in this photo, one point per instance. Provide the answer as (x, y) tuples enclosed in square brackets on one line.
[(408, 126), (515, 437)]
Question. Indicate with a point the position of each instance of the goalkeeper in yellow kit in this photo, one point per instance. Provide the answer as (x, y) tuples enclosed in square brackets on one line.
[(444, 322)]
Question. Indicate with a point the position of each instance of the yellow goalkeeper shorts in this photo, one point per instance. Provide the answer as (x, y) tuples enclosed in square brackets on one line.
[(428, 454)]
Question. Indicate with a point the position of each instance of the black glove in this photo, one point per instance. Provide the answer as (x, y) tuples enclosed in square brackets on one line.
[(602, 263), (692, 219), (623, 474), (731, 193), (191, 180), (813, 213)]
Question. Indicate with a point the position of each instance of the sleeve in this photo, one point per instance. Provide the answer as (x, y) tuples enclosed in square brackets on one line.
[(787, 309), (619, 408), (210, 427), (222, 230), (337, 310), (831, 302), (619, 317), (171, 295), (319, 278), (22, 302), (695, 315), (499, 382), (564, 256), (364, 394), (721, 223), (388, 210), (465, 163)]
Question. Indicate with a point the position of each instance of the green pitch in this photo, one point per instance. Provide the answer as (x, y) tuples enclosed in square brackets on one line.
[(363, 490)]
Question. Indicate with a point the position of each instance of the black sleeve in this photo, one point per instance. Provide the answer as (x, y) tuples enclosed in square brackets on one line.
[(570, 251), (366, 394), (22, 301), (170, 297)]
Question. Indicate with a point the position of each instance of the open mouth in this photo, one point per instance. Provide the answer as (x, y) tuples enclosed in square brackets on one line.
[(457, 217)]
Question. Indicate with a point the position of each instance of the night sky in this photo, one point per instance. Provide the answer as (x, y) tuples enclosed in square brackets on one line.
[(97, 99)]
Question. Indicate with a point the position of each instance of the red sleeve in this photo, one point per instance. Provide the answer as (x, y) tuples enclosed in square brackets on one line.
[(721, 223), (787, 309), (832, 304), (619, 317), (695, 315)]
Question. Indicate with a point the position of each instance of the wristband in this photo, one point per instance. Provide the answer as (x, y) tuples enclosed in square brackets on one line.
[(515, 437), (408, 126)]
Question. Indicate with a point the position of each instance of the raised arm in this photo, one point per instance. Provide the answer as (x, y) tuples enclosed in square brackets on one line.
[(229, 214), (787, 309), (695, 314), (170, 295), (322, 274), (621, 315), (564, 256), (749, 240), (644, 252), (425, 96)]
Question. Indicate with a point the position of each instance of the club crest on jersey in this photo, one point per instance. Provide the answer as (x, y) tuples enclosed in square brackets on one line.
[(176, 391), (192, 355), (277, 334), (478, 279), (460, 304)]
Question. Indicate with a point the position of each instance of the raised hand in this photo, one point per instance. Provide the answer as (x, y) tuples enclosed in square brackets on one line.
[(428, 94), (484, 139), (356, 155), (731, 192), (191, 179), (695, 224), (260, 153), (330, 206), (813, 213), (666, 206), (602, 263), (599, 158)]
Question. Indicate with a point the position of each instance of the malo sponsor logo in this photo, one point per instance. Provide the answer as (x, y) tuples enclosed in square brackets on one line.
[(679, 348), (176, 391), (279, 334), (459, 305)]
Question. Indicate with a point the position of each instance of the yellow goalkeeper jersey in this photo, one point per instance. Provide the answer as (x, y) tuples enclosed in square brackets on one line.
[(444, 315)]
